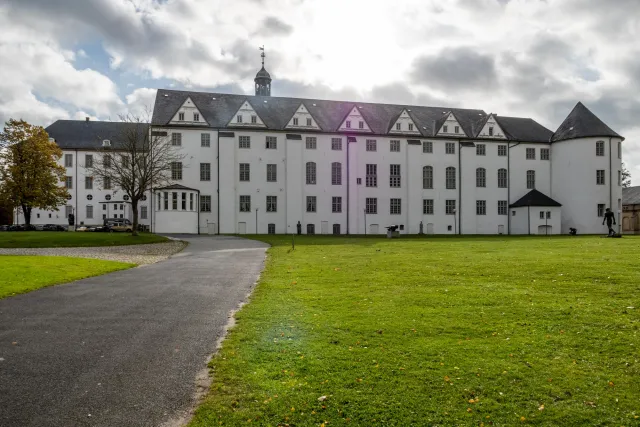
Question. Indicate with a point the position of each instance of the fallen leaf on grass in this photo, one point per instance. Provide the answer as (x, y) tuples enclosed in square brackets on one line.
[(592, 404), (322, 398), (541, 408), (611, 384)]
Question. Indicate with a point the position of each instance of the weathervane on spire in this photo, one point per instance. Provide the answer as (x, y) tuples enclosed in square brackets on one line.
[(262, 54)]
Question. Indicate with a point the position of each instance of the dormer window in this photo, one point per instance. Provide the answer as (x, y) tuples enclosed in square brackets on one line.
[(445, 129), (410, 126), (106, 143), (239, 118), (295, 121), (181, 117), (456, 129), (398, 126), (254, 119), (348, 124), (309, 122), (361, 125), (196, 117), (490, 130)]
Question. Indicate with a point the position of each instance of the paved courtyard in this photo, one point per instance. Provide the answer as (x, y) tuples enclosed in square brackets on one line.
[(124, 348)]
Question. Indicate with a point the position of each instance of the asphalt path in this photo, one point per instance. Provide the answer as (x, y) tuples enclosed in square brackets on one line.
[(122, 349)]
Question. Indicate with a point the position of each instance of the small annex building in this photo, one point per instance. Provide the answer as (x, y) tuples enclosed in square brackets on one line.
[(536, 213)]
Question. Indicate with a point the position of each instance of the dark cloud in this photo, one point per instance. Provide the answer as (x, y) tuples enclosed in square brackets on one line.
[(273, 26), (286, 87), (455, 69)]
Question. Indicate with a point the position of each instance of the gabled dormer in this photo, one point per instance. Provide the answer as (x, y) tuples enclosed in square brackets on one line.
[(188, 114), (246, 116), (450, 126), (404, 124), (491, 129), (302, 119), (354, 122)]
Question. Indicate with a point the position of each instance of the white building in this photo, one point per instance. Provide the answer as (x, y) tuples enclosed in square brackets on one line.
[(262, 164)]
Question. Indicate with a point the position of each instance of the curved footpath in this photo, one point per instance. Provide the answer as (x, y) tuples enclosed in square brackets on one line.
[(122, 349)]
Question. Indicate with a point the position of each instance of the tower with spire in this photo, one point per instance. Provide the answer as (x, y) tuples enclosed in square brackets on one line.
[(263, 79)]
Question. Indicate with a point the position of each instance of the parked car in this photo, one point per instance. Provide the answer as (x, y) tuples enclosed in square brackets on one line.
[(16, 227), (4, 228), (54, 227), (118, 225)]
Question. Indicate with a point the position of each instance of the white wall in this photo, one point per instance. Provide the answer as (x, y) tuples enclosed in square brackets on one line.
[(527, 220)]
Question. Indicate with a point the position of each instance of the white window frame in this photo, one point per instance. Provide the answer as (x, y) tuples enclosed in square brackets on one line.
[(427, 177), (394, 146), (395, 176), (395, 206), (272, 172), (244, 141), (311, 142), (427, 207), (244, 170)]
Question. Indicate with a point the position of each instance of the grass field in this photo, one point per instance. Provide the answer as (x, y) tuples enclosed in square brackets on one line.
[(21, 274), (57, 239), (457, 331)]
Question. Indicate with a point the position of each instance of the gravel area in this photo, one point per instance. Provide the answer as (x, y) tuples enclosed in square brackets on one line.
[(136, 254)]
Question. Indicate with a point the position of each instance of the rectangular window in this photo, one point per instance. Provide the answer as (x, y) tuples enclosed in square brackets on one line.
[(88, 161), (336, 144), (427, 206), (254, 119), (181, 117), (311, 229), (394, 146), (490, 130), (309, 122), (166, 200), (124, 160), (176, 139), (239, 118), (427, 147), (159, 197), (445, 129), (271, 143), (245, 172), (348, 124), (336, 228), (68, 160), (174, 201), (143, 212), (544, 154), (190, 201), (272, 172), (456, 129), (600, 177), (68, 182), (394, 176), (548, 214), (196, 117), (245, 203), (106, 183), (502, 150), (600, 148), (450, 148), (531, 180), (106, 160), (481, 149), (311, 142), (502, 178), (398, 126), (450, 207), (205, 171), (336, 204), (395, 206), (244, 141), (600, 210), (271, 229), (295, 121), (450, 178), (619, 149), (531, 154), (336, 173), (205, 140), (311, 203), (68, 210), (619, 179), (502, 207), (361, 125), (176, 170), (272, 203), (205, 203), (541, 214), (88, 183), (372, 175), (371, 205), (89, 212), (410, 126), (372, 145), (481, 207)]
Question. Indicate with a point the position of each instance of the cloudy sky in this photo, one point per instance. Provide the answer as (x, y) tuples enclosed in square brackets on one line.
[(533, 58)]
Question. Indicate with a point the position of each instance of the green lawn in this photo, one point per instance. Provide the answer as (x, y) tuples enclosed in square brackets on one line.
[(21, 274), (457, 331), (60, 239)]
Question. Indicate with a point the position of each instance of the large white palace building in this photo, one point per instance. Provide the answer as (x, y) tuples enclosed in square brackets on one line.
[(262, 164)]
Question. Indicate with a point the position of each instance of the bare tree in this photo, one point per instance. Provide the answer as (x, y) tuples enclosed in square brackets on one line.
[(135, 161)]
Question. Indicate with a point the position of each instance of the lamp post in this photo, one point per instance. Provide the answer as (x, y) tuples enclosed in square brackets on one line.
[(546, 222), (455, 228), (256, 220), (365, 221), (619, 224)]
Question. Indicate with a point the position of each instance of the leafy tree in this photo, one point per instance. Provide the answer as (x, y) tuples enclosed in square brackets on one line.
[(136, 161), (626, 177), (29, 172), (6, 212)]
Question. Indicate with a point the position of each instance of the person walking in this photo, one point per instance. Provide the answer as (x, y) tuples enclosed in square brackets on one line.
[(610, 218)]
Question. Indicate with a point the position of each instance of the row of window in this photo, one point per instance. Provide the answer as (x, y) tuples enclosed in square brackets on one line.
[(600, 177), (196, 117), (175, 199), (600, 149)]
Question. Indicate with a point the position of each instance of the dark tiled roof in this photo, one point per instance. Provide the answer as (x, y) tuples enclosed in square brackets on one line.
[(631, 196), (581, 123), (177, 187), (82, 134), (535, 198), (218, 109), (522, 129)]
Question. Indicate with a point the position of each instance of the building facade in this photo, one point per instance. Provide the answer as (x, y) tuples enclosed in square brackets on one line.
[(262, 164)]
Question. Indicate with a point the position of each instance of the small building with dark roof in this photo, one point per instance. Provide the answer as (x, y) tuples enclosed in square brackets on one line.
[(631, 210)]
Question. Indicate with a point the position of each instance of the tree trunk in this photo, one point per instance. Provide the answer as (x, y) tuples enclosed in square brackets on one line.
[(26, 212), (134, 208)]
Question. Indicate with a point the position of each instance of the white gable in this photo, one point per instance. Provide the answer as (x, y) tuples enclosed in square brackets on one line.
[(355, 122), (451, 127), (246, 116), (405, 125), (188, 113), (302, 119), (492, 129)]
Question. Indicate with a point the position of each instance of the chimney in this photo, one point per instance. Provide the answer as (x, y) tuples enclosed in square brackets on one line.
[(86, 118)]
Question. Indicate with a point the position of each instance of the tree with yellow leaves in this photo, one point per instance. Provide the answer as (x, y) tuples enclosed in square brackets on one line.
[(30, 176)]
